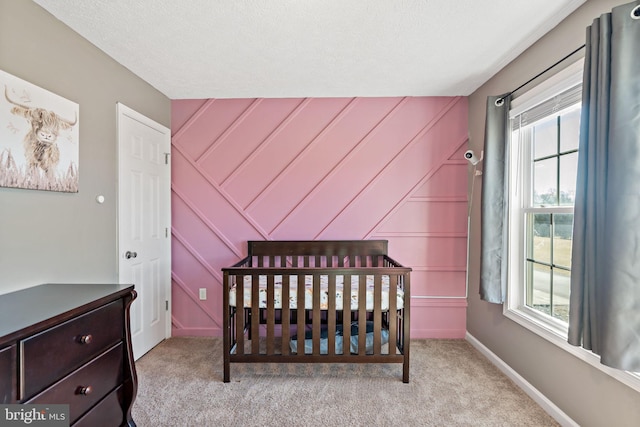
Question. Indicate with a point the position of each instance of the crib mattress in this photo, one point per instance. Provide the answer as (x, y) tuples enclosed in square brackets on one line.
[(324, 292)]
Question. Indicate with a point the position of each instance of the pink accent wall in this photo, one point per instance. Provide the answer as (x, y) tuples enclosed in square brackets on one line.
[(321, 168)]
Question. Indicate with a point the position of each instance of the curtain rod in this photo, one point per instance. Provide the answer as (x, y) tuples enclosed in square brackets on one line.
[(499, 101)]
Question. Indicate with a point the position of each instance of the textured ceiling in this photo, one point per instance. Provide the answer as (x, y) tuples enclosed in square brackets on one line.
[(304, 48)]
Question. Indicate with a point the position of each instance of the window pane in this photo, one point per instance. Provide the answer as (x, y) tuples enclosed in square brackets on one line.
[(539, 288), (569, 130), (543, 170), (545, 182), (568, 174), (545, 138), (562, 239), (540, 246), (561, 288)]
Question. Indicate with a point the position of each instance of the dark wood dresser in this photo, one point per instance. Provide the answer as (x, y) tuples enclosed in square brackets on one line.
[(70, 344)]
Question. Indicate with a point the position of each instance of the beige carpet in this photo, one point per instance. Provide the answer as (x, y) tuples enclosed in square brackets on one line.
[(452, 384)]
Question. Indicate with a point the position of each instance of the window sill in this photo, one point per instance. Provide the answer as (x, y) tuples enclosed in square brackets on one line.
[(558, 337)]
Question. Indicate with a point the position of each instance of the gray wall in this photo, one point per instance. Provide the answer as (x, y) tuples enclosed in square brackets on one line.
[(588, 396), (67, 237)]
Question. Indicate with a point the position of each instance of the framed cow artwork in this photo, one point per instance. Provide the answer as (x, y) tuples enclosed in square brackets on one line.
[(39, 137)]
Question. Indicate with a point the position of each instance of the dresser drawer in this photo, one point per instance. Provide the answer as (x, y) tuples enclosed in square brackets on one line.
[(88, 385), (106, 413), (55, 352), (7, 374)]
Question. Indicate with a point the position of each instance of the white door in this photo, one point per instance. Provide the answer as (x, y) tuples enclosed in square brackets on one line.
[(144, 221)]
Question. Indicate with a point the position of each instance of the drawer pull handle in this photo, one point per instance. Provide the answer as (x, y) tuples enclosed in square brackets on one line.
[(84, 390), (86, 339)]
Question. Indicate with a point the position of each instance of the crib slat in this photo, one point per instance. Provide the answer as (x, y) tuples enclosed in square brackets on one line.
[(331, 315), (286, 315), (240, 321), (393, 313), (346, 315), (377, 314), (362, 314), (271, 315), (301, 315), (315, 321), (255, 314), (406, 327)]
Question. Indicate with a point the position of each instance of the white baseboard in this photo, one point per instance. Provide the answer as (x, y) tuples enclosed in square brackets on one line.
[(529, 389)]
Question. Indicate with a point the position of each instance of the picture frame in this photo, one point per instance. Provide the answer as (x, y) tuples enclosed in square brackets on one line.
[(39, 137)]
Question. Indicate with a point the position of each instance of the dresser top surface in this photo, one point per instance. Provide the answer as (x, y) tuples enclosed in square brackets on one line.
[(28, 308)]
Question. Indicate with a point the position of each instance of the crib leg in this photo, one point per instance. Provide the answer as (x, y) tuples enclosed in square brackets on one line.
[(405, 363)]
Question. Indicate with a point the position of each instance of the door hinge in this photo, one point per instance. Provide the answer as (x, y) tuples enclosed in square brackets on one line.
[(166, 305), (166, 158), (166, 232)]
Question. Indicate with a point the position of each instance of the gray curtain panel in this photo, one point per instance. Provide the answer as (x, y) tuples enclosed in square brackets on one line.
[(493, 256), (605, 280)]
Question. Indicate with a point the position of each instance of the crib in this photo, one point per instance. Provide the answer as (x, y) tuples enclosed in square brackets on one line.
[(321, 301)]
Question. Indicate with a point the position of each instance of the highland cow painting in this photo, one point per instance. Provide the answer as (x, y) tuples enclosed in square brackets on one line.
[(39, 137)]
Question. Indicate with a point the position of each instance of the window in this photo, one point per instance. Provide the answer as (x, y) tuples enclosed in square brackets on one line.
[(543, 161), (550, 148)]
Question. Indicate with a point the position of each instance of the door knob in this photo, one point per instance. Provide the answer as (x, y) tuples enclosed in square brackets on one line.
[(129, 255)]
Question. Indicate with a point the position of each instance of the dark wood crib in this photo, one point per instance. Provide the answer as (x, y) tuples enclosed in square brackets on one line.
[(303, 303)]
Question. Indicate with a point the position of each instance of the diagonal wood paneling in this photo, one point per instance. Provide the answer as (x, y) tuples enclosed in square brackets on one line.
[(284, 148), (373, 192), (320, 168)]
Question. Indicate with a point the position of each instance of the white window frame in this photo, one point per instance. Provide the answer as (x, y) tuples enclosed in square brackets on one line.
[(549, 328)]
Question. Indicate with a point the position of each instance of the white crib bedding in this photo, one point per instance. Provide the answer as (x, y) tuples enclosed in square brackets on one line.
[(324, 292)]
